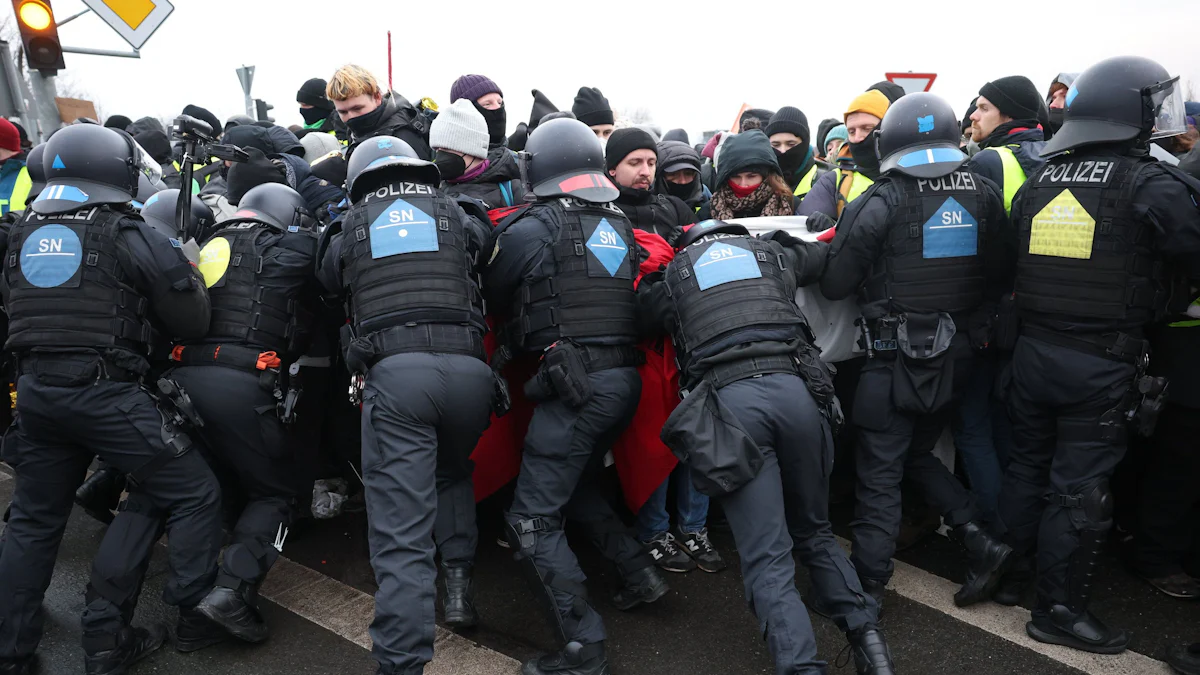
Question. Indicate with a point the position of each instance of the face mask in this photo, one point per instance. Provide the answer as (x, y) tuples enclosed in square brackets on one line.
[(365, 124), (449, 164), (741, 192), (793, 160), (681, 191), (313, 115), (864, 157), (496, 123), (1057, 117)]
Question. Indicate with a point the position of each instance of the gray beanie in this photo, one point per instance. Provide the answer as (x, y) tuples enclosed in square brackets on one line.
[(461, 128), (317, 145)]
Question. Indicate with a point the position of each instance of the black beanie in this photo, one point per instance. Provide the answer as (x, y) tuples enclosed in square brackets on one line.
[(966, 120), (204, 116), (789, 120), (624, 141), (891, 90), (1014, 96), (118, 122), (541, 107), (312, 93), (591, 107)]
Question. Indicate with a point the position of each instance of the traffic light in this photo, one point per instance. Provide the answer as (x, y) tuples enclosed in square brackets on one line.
[(262, 107), (39, 36)]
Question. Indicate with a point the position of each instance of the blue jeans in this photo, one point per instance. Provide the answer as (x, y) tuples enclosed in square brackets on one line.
[(983, 436), (691, 507)]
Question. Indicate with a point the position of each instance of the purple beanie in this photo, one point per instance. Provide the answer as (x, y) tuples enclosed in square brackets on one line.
[(472, 87)]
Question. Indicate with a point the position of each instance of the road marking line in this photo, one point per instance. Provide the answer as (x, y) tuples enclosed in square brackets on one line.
[(1008, 623), (348, 612)]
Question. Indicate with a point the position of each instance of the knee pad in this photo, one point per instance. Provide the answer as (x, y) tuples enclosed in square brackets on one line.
[(1092, 507)]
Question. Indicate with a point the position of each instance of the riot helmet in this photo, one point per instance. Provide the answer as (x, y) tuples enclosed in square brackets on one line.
[(146, 189), (386, 158), (87, 164), (159, 213), (699, 230), (1125, 98), (919, 137), (563, 158), (37, 170), (276, 205)]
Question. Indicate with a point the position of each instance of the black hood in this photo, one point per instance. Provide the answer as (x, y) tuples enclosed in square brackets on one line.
[(156, 144), (743, 152), (1024, 133), (671, 153), (502, 166)]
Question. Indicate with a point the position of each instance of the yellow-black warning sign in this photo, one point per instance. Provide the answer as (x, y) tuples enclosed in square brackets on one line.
[(1063, 229), (214, 260)]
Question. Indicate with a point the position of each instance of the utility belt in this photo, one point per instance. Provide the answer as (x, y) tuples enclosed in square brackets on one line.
[(723, 374), (1124, 348), (439, 338), (265, 364), (564, 367), (70, 369), (878, 336)]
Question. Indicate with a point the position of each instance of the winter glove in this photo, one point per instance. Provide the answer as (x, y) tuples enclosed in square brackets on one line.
[(784, 239), (243, 176), (819, 222)]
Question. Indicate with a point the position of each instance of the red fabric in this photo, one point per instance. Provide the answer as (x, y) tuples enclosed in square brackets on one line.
[(827, 235), (743, 192), (500, 214), (497, 456)]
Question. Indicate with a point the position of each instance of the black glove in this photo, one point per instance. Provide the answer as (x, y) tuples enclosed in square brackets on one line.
[(819, 222), (331, 169), (784, 239), (243, 176)]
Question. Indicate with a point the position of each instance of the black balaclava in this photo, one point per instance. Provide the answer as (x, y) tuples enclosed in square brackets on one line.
[(497, 122), (313, 115), (792, 161), (684, 191), (450, 165), (365, 124), (866, 161)]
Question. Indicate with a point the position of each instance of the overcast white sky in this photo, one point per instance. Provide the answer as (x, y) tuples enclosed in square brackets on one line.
[(692, 64)]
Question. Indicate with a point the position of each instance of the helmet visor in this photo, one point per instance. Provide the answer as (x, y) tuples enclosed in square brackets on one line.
[(1166, 99), (146, 164)]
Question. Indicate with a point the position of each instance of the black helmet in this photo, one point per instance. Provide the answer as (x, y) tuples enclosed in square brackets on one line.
[(37, 170), (386, 152), (1120, 99), (564, 158), (88, 164), (277, 205), (919, 136), (695, 232), (159, 213), (147, 188)]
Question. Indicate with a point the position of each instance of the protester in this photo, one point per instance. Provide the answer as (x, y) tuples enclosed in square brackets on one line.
[(459, 137), (368, 112), (679, 174), (488, 99), (858, 165), (788, 132), (591, 108)]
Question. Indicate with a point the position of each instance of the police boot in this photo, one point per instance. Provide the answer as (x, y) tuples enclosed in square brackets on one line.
[(128, 647), (874, 588), (871, 653), (101, 493), (458, 603), (575, 659), (229, 609), (987, 561), (193, 631), (1060, 625), (1013, 585), (642, 586), (26, 666)]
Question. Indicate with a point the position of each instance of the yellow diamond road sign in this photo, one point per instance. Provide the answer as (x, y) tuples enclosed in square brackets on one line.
[(134, 20)]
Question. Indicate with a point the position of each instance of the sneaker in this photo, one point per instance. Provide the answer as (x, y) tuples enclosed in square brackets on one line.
[(667, 555), (697, 545)]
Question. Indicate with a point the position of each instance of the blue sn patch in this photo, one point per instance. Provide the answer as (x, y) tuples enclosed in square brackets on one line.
[(723, 263), (51, 256), (402, 228), (68, 192), (58, 163), (925, 124), (608, 247), (951, 232)]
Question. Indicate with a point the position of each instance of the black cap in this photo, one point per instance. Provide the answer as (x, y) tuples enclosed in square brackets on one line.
[(542, 106), (1014, 96), (203, 115), (789, 120), (312, 92), (624, 141), (591, 107), (118, 122), (890, 89)]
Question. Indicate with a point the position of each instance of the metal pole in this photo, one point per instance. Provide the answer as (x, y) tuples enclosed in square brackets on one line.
[(41, 88), (73, 17), (12, 80), (135, 54)]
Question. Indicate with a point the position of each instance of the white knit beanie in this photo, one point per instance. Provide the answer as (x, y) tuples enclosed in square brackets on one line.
[(460, 128)]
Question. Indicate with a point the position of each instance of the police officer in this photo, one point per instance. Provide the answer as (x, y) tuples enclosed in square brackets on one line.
[(566, 267), (87, 285), (920, 247), (259, 269), (406, 257), (729, 302), (1107, 237)]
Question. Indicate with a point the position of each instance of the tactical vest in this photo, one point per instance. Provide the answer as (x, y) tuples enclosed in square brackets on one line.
[(407, 260), (256, 301), (67, 289), (932, 259), (723, 284), (1082, 251), (585, 289)]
